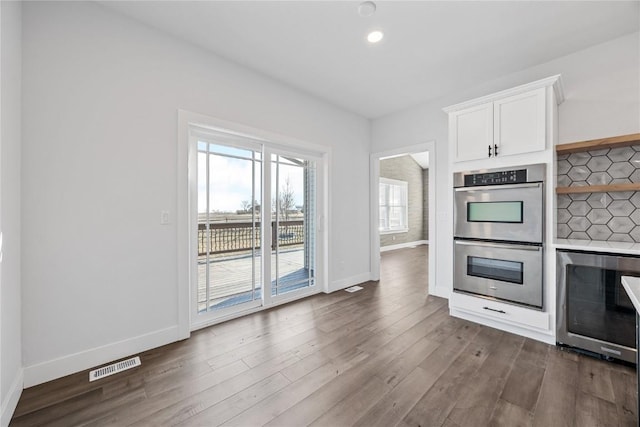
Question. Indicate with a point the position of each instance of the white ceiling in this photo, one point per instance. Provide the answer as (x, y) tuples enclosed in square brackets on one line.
[(430, 47)]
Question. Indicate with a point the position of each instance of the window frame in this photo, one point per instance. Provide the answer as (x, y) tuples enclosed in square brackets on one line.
[(404, 187)]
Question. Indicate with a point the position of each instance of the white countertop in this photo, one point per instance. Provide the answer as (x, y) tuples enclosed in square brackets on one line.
[(632, 286), (598, 246)]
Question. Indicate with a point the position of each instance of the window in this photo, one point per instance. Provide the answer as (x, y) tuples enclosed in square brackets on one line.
[(393, 206)]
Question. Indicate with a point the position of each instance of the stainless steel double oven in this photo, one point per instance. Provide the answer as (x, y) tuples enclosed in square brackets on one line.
[(499, 234)]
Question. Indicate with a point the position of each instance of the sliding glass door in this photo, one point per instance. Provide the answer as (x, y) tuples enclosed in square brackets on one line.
[(293, 200), (229, 227), (257, 240)]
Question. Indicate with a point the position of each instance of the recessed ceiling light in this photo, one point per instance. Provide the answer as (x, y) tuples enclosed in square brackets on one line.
[(375, 36), (366, 8)]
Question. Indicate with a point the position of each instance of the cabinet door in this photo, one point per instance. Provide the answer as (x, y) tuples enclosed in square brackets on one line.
[(471, 131), (519, 123)]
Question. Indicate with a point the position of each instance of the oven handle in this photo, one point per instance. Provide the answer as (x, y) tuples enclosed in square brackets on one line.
[(499, 187), (498, 245)]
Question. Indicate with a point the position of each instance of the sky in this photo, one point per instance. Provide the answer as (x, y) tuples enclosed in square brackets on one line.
[(231, 182)]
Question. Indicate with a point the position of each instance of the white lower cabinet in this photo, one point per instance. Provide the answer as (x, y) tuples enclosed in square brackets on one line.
[(520, 317)]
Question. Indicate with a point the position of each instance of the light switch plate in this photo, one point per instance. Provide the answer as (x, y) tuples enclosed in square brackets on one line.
[(164, 217)]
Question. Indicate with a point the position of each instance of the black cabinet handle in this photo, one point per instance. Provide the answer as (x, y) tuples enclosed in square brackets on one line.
[(493, 309), (489, 150), (495, 149)]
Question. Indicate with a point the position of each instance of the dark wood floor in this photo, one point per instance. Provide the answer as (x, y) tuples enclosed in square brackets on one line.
[(387, 355)]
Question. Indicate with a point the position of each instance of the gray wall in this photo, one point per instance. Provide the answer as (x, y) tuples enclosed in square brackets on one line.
[(425, 204), (404, 168), (10, 289)]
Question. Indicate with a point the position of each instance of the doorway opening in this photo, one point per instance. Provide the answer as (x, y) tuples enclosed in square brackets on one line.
[(403, 212)]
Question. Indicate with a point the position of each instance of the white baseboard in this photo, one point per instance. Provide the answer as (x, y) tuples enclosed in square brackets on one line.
[(337, 285), (57, 368), (403, 245), (10, 401)]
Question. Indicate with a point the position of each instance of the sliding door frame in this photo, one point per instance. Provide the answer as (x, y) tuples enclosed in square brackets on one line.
[(269, 298), (196, 136), (187, 215)]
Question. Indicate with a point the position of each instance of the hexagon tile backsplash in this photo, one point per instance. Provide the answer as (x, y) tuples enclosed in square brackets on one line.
[(611, 216)]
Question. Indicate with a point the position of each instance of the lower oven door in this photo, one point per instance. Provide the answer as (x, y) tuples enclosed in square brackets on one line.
[(505, 271)]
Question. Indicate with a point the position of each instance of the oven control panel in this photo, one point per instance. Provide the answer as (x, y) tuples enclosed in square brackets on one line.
[(518, 176)]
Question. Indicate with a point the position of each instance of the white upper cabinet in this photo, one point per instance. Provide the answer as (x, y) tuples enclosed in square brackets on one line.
[(519, 123), (472, 129), (507, 123)]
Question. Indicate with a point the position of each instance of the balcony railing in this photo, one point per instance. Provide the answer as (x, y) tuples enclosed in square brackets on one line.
[(243, 236)]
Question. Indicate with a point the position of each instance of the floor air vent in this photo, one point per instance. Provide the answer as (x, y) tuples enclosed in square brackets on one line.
[(354, 289), (114, 368)]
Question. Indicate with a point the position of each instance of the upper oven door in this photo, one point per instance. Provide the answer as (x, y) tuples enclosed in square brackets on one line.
[(512, 212)]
